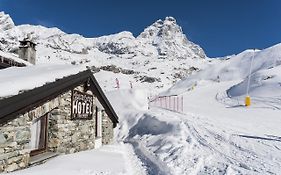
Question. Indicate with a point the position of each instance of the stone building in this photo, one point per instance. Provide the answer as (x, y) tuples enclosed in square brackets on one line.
[(63, 111), (26, 55), (9, 60)]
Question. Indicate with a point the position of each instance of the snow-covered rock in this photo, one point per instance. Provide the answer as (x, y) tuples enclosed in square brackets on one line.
[(6, 22), (170, 41), (117, 44)]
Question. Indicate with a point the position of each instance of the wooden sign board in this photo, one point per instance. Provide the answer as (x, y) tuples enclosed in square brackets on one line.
[(81, 105)]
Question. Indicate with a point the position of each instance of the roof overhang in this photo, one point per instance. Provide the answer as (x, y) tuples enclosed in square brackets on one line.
[(12, 107)]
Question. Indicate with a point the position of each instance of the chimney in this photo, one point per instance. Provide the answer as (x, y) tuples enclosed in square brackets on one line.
[(27, 50)]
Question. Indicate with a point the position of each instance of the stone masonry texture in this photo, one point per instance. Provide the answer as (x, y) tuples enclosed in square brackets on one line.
[(64, 135)]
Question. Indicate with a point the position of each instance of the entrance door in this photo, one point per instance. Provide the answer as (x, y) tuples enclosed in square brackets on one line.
[(39, 130)]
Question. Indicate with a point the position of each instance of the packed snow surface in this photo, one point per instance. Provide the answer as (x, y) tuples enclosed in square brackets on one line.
[(108, 160)]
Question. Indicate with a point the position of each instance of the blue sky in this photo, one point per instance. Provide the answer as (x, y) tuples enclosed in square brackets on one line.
[(221, 27)]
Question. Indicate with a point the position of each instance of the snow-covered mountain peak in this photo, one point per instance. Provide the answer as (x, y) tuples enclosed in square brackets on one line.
[(117, 44), (167, 36), (6, 22), (159, 56), (167, 28), (170, 18), (38, 31), (116, 38)]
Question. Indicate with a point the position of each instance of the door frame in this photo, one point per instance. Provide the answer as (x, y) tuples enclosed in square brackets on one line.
[(44, 128)]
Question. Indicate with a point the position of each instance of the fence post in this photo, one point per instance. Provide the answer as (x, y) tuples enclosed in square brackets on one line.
[(170, 102), (174, 108), (182, 103), (177, 104), (165, 102)]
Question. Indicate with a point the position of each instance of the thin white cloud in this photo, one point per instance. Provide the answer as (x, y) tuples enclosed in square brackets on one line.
[(45, 23)]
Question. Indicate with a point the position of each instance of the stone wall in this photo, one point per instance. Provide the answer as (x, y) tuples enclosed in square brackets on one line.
[(15, 137), (64, 135), (107, 129)]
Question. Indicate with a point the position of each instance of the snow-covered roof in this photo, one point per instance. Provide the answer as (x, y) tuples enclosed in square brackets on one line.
[(16, 79), (41, 83), (13, 58)]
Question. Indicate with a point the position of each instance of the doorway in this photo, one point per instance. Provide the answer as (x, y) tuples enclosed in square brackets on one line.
[(39, 135)]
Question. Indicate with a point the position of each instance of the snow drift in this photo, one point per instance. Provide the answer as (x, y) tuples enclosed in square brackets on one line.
[(264, 83)]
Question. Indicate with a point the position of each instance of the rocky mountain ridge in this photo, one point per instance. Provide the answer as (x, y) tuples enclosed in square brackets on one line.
[(6, 22), (161, 52)]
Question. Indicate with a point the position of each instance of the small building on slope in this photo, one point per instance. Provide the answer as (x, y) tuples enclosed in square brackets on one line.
[(26, 55), (9, 60), (47, 110)]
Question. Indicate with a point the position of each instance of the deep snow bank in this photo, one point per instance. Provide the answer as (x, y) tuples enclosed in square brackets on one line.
[(128, 100), (129, 105), (171, 143)]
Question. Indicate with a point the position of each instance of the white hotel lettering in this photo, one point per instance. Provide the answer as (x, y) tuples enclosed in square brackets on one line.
[(82, 105)]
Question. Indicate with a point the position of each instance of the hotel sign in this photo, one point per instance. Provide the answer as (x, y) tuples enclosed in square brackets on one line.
[(81, 105)]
